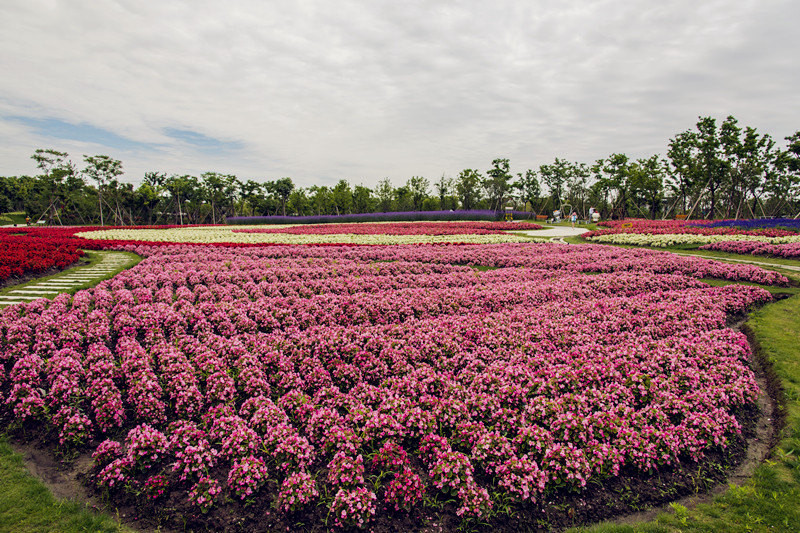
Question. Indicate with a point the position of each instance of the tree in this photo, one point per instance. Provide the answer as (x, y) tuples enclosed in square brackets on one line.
[(528, 187), (384, 193), (646, 182), (418, 189), (321, 199), (444, 189), (793, 154), (577, 184), (5, 194), (219, 190), (146, 199), (710, 165), (403, 200), (362, 199), (299, 203), (181, 188), (55, 169), (612, 177), (784, 187), (249, 194), (555, 176), (682, 171), (17, 191), (102, 169), (497, 183), (283, 188), (468, 186), (749, 159), (342, 198)]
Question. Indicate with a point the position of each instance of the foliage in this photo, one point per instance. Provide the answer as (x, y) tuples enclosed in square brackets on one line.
[(712, 170)]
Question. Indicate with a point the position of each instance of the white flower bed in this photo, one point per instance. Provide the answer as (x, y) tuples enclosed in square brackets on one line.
[(674, 239), (222, 234)]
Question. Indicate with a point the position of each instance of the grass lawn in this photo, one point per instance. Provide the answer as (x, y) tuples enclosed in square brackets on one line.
[(17, 218), (28, 506)]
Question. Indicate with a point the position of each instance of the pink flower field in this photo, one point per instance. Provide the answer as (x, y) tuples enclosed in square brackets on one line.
[(341, 387)]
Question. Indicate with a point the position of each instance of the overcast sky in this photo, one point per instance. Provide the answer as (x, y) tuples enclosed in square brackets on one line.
[(362, 90)]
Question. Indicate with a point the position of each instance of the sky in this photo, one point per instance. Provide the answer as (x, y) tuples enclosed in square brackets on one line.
[(364, 90)]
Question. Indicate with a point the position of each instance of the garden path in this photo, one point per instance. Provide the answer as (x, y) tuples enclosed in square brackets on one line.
[(80, 277), (555, 233)]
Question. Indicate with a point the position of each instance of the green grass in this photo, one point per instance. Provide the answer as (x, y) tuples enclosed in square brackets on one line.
[(17, 217), (26, 505), (91, 259), (711, 254), (780, 291)]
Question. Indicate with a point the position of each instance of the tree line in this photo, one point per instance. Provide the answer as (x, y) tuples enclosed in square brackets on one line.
[(710, 171)]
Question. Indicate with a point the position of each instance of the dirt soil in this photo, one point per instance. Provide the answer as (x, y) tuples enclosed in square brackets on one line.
[(626, 499)]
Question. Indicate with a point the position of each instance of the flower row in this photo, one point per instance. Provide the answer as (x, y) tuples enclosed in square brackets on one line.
[(238, 268), (674, 239), (787, 251), (271, 235), (792, 224), (764, 228), (401, 228)]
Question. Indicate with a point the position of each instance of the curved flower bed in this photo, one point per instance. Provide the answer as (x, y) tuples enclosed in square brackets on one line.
[(363, 380), (406, 228), (69, 236), (787, 251), (216, 234), (663, 240)]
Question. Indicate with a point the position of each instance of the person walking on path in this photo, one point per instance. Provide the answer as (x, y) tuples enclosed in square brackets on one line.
[(573, 218)]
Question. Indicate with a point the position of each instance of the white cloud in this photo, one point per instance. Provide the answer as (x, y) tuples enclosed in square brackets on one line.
[(362, 89)]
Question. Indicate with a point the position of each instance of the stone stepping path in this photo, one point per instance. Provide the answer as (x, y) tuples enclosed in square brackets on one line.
[(67, 280)]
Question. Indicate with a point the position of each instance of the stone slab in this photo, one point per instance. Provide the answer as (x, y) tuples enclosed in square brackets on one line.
[(30, 291)]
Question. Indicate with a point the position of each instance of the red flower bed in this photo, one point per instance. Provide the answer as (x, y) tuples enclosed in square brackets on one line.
[(31, 249), (20, 255), (402, 228)]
